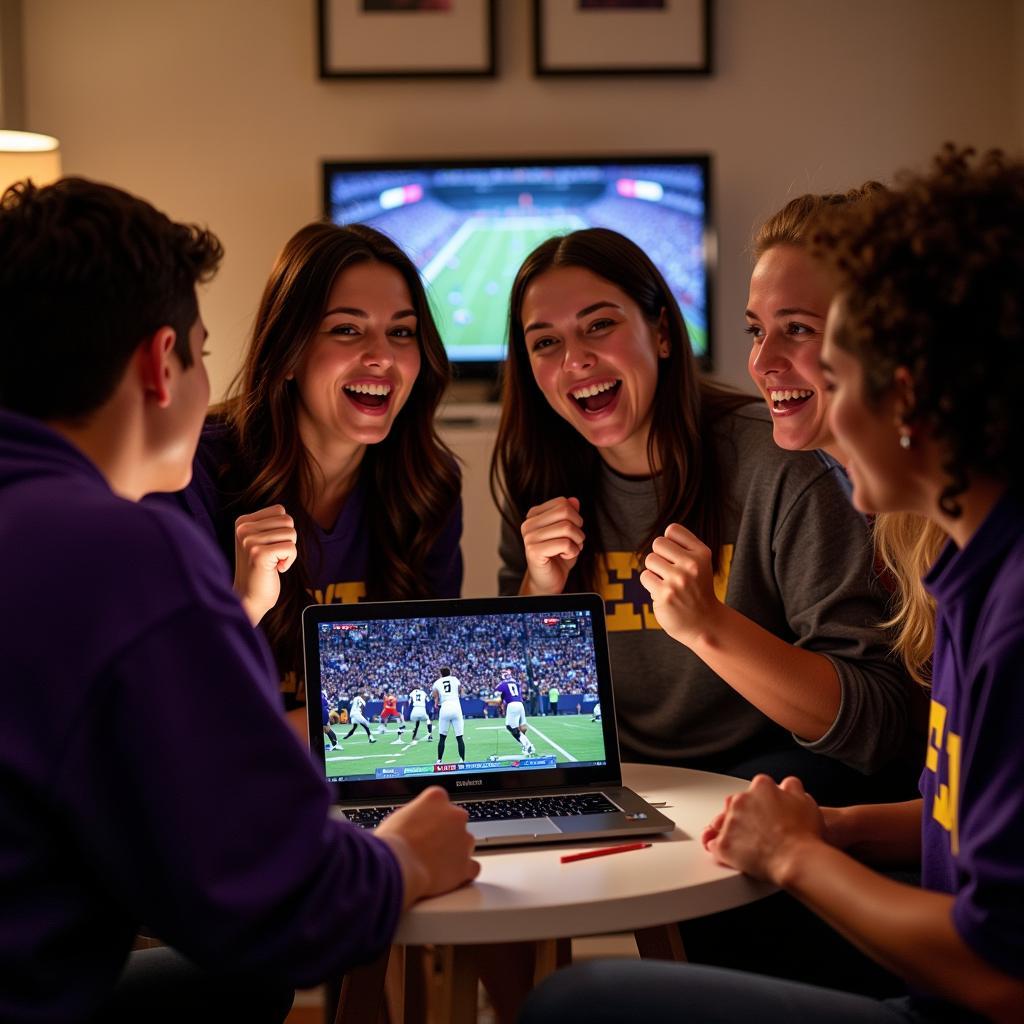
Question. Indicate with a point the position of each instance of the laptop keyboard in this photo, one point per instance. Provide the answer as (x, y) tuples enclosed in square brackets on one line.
[(506, 809)]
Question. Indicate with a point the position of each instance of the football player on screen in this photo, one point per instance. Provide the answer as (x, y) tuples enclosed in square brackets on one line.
[(418, 713), (390, 711), (510, 693), (358, 718), (329, 733), (450, 714)]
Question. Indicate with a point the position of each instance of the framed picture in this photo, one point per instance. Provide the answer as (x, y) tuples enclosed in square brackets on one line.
[(622, 37), (405, 38)]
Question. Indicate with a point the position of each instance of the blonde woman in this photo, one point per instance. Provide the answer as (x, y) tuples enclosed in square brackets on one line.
[(789, 297)]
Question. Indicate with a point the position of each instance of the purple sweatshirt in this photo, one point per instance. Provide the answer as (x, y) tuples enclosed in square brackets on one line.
[(146, 775), (973, 782)]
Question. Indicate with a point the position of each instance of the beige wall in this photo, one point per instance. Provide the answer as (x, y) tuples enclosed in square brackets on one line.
[(212, 109)]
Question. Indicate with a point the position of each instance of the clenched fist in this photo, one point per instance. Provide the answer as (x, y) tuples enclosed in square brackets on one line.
[(553, 538), (265, 547)]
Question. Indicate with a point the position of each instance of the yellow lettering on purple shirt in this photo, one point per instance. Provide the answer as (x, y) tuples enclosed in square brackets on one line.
[(340, 593), (946, 803)]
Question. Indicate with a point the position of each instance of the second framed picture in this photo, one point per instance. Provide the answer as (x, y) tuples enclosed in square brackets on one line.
[(405, 38), (623, 37)]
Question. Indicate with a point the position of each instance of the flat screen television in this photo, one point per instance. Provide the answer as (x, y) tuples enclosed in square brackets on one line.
[(468, 225)]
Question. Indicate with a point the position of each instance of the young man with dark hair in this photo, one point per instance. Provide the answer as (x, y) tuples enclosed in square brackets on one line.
[(211, 827)]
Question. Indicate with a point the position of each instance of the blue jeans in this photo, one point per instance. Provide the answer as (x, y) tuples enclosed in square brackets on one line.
[(650, 991)]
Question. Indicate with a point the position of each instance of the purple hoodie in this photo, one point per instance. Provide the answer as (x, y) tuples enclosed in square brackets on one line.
[(146, 775), (973, 781)]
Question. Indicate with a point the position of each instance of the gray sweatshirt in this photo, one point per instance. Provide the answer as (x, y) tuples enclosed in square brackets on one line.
[(797, 559)]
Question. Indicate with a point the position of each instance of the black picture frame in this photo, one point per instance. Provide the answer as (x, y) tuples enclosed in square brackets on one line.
[(350, 56), (637, 35)]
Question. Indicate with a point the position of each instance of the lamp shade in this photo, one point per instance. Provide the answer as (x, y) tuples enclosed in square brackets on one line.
[(28, 155)]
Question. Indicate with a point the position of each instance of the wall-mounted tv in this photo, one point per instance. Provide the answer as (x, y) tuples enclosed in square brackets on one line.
[(468, 224)]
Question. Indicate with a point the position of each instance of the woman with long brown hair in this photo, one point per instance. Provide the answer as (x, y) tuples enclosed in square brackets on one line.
[(736, 575), (325, 455)]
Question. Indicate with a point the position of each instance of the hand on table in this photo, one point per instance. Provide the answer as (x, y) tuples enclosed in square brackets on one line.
[(758, 830), (265, 547), (553, 538), (429, 838), (680, 580)]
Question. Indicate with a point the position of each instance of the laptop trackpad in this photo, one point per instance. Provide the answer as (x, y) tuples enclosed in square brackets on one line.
[(513, 827)]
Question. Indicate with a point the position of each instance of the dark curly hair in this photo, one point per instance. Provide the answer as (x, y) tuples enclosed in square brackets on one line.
[(931, 278)]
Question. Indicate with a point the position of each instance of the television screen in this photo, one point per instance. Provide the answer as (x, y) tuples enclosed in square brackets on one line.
[(468, 225)]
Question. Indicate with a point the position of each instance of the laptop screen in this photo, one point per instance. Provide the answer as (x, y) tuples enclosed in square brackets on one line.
[(493, 688)]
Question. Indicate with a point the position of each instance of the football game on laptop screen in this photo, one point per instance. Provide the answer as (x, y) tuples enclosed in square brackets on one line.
[(521, 688)]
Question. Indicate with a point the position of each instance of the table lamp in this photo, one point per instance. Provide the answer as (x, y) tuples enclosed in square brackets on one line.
[(28, 155)]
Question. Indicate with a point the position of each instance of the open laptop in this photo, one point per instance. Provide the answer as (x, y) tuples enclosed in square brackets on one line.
[(562, 783)]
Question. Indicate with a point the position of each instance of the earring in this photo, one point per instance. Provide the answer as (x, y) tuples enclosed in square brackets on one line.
[(906, 437)]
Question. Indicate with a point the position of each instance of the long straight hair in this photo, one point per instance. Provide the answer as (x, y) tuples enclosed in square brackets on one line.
[(410, 478), (539, 455)]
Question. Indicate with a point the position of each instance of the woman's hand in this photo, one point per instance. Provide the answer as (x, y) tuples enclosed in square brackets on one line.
[(680, 580), (265, 547), (553, 537), (761, 829)]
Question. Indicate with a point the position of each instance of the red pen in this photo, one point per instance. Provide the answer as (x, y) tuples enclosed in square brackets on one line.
[(603, 852)]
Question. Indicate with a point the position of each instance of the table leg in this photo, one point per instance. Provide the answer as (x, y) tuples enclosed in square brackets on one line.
[(660, 943), (394, 985), (460, 980), (419, 981), (510, 969), (549, 955), (362, 992)]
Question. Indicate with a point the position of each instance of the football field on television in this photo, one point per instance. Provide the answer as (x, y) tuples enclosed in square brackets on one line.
[(469, 229), (471, 277), (566, 738)]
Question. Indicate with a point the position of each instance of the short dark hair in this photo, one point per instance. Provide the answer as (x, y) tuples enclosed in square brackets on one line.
[(87, 272), (930, 275), (445, 670)]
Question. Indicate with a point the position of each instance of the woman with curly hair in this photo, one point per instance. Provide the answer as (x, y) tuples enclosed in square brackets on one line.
[(736, 575), (924, 350), (322, 477)]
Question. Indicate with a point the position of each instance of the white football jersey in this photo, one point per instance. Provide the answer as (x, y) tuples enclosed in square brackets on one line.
[(447, 688), (418, 698), (358, 704)]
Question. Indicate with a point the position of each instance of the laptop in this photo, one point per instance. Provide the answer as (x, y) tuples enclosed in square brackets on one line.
[(383, 672)]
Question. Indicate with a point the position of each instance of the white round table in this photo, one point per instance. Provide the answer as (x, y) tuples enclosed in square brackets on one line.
[(526, 895)]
